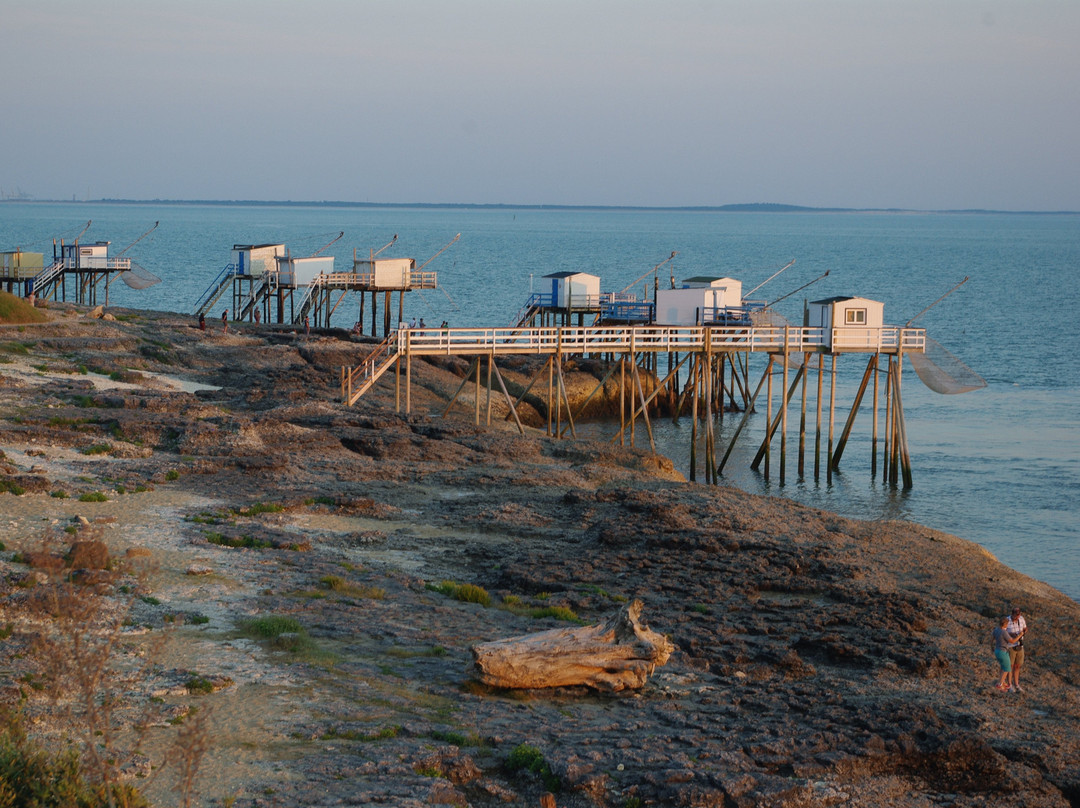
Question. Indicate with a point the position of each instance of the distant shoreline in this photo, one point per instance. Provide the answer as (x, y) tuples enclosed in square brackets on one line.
[(752, 207)]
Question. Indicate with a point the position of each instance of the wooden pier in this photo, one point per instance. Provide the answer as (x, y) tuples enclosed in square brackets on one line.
[(715, 362)]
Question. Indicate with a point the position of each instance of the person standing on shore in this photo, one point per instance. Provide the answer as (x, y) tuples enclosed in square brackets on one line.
[(202, 321), (1002, 641), (1017, 628), (225, 322)]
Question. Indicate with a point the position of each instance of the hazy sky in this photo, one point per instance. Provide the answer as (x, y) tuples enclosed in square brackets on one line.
[(925, 104)]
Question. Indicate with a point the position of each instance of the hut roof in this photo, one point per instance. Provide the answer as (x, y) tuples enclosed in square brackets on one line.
[(568, 274)]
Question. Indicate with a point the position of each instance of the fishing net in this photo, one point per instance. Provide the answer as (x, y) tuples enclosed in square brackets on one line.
[(138, 277), (767, 318), (944, 373)]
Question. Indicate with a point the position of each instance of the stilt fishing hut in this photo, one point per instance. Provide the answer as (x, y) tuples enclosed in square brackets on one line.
[(18, 270), (832, 327), (563, 295), (89, 265)]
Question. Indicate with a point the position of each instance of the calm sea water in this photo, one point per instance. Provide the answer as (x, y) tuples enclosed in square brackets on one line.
[(1000, 466)]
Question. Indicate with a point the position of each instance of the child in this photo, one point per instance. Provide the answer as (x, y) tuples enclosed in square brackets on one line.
[(1002, 640)]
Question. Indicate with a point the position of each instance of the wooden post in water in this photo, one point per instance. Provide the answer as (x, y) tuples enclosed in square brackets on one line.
[(873, 442), (768, 418), (832, 417), (871, 368), (746, 417), (885, 455), (783, 412), (710, 461), (802, 419), (695, 372)]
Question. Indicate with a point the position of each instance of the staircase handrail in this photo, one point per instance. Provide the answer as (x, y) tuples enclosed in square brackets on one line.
[(305, 301), (358, 380), (213, 291)]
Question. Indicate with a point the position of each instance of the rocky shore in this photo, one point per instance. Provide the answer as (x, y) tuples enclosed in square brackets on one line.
[(314, 576)]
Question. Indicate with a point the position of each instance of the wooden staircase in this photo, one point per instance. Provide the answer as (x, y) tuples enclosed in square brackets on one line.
[(358, 380)]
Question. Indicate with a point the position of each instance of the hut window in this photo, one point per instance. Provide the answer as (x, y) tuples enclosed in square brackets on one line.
[(855, 316)]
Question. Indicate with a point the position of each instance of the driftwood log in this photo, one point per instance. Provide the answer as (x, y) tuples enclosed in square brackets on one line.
[(614, 655)]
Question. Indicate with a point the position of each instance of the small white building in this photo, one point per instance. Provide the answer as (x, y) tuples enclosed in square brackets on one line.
[(847, 322), (700, 300), (94, 255), (303, 271), (574, 290), (256, 259), (386, 273)]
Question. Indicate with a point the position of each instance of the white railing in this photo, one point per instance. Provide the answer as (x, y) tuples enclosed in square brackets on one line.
[(652, 339), (99, 262), (414, 279)]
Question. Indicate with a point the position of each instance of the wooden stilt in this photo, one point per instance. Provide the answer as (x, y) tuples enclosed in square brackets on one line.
[(746, 417), (695, 373), (846, 432), (774, 424), (644, 409), (408, 380), (832, 418), (465, 381), (768, 420), (783, 412), (622, 399), (905, 455), (509, 401), (874, 440), (802, 420), (563, 395), (491, 361)]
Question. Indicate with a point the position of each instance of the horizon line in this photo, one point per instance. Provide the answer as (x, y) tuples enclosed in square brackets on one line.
[(740, 207)]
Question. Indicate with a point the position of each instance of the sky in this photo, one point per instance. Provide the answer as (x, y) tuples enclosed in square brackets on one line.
[(919, 104)]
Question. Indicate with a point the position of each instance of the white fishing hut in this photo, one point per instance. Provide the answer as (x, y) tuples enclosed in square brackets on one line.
[(574, 290), (848, 323), (94, 255), (256, 259), (303, 271), (700, 300), (388, 273)]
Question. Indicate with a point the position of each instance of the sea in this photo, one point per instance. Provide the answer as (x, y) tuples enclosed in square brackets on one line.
[(999, 466)]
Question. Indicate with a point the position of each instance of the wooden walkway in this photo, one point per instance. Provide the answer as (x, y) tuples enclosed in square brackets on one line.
[(706, 347)]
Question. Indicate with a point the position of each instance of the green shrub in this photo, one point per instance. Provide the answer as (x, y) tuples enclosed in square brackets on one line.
[(337, 584), (58, 494), (93, 496), (199, 684), (96, 449), (172, 474), (265, 628), (262, 507), (468, 593), (529, 758), (237, 541), (11, 487), (558, 612), (32, 775)]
